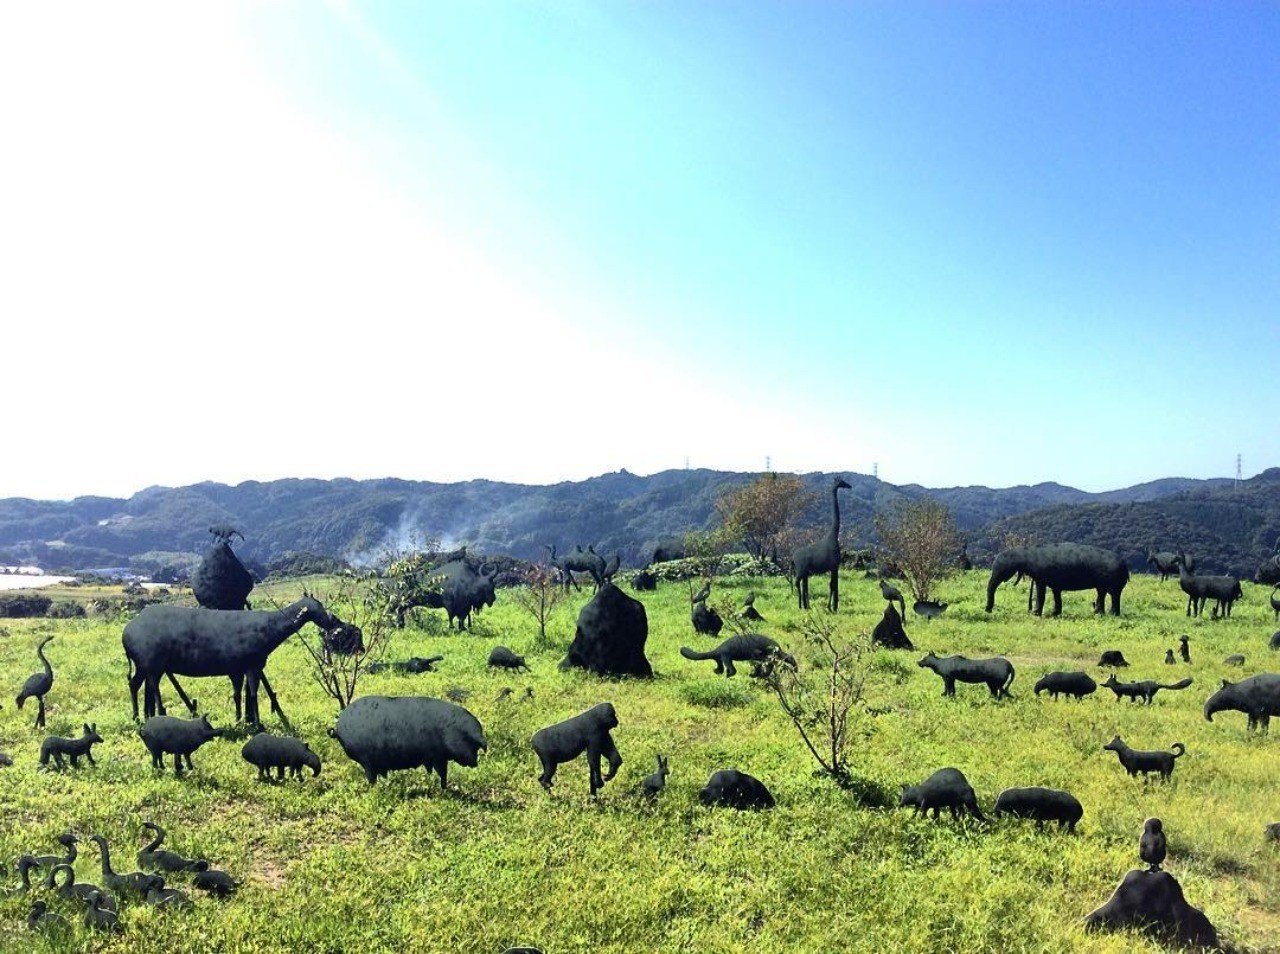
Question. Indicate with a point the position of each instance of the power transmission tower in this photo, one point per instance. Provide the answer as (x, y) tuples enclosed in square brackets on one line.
[(875, 471), (1239, 468), (768, 464)]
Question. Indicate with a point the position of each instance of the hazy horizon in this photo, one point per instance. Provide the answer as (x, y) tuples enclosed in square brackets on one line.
[(973, 244), (692, 467)]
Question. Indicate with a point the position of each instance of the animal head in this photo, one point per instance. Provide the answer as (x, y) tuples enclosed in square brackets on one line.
[(1220, 700), (311, 610), (1112, 681), (1184, 639), (928, 658), (910, 796), (207, 731), (1153, 826), (68, 839), (91, 732), (605, 715), (1115, 745)]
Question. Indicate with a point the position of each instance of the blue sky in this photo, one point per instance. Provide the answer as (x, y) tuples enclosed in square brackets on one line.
[(972, 243)]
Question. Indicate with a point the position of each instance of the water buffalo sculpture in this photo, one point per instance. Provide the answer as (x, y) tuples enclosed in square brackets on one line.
[(1059, 567), (190, 641), (464, 590)]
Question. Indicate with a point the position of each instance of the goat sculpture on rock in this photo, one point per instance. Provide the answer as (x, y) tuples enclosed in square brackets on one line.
[(165, 640)]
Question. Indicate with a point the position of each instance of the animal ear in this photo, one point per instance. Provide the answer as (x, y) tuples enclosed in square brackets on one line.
[(86, 727)]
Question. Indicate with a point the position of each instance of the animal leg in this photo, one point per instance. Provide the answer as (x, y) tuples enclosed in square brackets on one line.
[(442, 770), (191, 707), (729, 669), (40, 713), (1057, 602), (271, 695), (251, 698), (136, 679), (593, 767), (948, 687), (611, 753), (237, 690), (548, 771), (177, 765)]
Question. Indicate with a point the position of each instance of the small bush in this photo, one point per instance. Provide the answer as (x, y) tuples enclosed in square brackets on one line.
[(65, 609), (24, 605)]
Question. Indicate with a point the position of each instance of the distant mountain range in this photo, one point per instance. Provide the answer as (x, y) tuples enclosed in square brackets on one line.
[(1227, 526)]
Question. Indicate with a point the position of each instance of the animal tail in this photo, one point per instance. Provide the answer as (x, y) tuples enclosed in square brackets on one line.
[(688, 653), (1009, 682), (1180, 684), (1178, 749)]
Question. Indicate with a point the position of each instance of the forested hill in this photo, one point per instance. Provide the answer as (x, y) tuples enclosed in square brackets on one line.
[(1215, 519)]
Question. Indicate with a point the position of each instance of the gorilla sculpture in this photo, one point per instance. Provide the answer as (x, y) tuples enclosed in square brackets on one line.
[(1059, 567), (587, 732), (821, 557), (610, 637), (733, 789), (1268, 574), (644, 582)]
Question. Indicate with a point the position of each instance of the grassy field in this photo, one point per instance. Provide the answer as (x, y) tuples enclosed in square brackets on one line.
[(331, 864)]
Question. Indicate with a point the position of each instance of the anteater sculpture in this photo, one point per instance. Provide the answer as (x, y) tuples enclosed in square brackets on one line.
[(945, 788), (1077, 684), (587, 732), (1258, 697), (386, 734), (1144, 691), (995, 673), (185, 641), (748, 647), (821, 557)]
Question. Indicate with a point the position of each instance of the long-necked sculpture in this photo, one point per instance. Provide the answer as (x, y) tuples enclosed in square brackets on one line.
[(821, 557)]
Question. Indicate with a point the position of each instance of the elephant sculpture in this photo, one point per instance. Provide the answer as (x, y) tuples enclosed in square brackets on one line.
[(1058, 567)]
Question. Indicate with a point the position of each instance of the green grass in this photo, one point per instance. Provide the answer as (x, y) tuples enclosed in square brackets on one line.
[(332, 864)]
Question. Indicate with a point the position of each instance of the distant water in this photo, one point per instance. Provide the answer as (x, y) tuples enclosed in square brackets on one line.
[(28, 578)]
